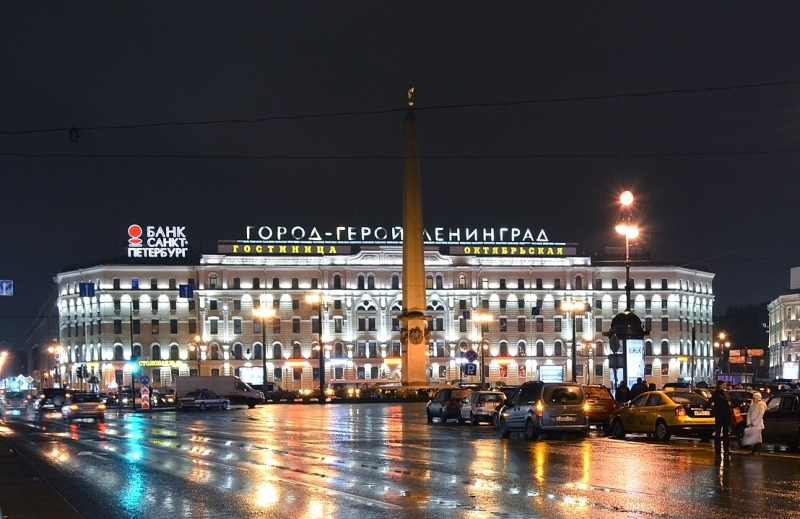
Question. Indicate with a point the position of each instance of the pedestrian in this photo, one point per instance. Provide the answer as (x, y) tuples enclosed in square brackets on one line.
[(721, 402), (755, 420), (638, 388), (651, 386), (623, 393)]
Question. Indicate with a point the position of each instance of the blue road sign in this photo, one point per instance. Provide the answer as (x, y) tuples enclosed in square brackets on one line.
[(470, 369), (6, 287), (144, 380)]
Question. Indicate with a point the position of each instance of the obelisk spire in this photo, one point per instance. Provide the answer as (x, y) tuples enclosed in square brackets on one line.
[(414, 324)]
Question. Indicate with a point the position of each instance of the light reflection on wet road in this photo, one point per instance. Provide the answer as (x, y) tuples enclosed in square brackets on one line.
[(373, 460)]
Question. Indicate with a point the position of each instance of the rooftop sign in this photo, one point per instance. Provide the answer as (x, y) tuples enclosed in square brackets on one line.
[(157, 242)]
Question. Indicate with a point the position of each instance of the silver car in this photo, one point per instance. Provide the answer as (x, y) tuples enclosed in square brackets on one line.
[(84, 405), (537, 408), (202, 400), (480, 406)]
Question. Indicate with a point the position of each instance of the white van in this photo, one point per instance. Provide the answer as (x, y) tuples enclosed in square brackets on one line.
[(232, 388)]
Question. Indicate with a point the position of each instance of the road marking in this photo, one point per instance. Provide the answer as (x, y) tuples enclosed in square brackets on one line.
[(98, 455)]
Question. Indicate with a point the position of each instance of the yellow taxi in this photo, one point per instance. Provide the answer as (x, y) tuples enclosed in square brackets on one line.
[(664, 413)]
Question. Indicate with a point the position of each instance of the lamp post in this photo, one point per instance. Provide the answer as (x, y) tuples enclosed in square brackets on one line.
[(574, 307), (264, 314), (319, 301), (200, 348), (630, 232), (3, 358), (724, 346), (484, 320)]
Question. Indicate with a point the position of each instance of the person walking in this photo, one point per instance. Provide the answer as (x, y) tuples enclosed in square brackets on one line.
[(638, 388), (755, 420), (721, 402), (623, 393)]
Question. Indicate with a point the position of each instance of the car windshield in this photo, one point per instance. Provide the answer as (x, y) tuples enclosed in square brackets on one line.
[(193, 394), (597, 392), (491, 397), (687, 398), (562, 395), (86, 398)]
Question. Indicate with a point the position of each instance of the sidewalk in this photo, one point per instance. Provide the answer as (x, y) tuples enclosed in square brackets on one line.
[(24, 493)]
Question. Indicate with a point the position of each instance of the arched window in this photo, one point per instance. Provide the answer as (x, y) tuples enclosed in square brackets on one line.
[(360, 285), (521, 349), (338, 351), (503, 349), (214, 352), (395, 282), (237, 351), (648, 348), (439, 282), (540, 348), (578, 283), (137, 351), (156, 352), (664, 347), (297, 351), (277, 351), (557, 349), (371, 282), (193, 352), (462, 281), (257, 349), (118, 352), (174, 352), (429, 282), (337, 281), (213, 281)]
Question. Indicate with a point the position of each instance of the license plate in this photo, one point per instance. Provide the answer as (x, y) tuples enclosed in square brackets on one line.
[(702, 413), (565, 418)]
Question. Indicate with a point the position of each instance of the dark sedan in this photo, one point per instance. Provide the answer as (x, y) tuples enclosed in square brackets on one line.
[(782, 421)]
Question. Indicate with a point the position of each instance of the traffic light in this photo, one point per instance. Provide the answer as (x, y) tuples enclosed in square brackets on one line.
[(134, 364)]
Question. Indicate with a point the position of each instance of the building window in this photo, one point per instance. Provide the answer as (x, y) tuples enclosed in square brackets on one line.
[(136, 326), (395, 282), (485, 284), (429, 282), (557, 283), (502, 304), (462, 325), (370, 282), (520, 284), (598, 284), (192, 326), (520, 324), (439, 282), (337, 281), (135, 283), (117, 305), (117, 326), (276, 283), (578, 283), (191, 305), (648, 284), (295, 283), (237, 304), (462, 281), (314, 283), (557, 324), (115, 284), (579, 324), (295, 304), (237, 326), (257, 283), (337, 326), (540, 324), (154, 326), (648, 304), (615, 284), (153, 283), (502, 283), (214, 326), (276, 325), (665, 324), (503, 324), (663, 283), (154, 305), (295, 325), (277, 374), (539, 283), (663, 304), (173, 326)]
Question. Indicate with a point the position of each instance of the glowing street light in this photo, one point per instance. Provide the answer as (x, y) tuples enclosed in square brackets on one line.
[(200, 348), (484, 319)]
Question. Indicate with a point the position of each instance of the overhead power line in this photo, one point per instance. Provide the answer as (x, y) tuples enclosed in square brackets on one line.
[(75, 131)]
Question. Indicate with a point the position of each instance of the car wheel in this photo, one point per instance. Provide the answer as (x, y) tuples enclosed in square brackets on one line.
[(472, 419), (531, 433), (224, 405), (202, 406), (461, 418), (618, 430), (428, 416), (443, 416), (504, 432), (662, 431), (251, 403)]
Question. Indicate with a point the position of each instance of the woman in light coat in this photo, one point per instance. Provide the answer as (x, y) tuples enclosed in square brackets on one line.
[(755, 420)]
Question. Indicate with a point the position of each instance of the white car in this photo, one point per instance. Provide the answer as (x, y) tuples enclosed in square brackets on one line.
[(480, 405), (202, 400), (84, 405)]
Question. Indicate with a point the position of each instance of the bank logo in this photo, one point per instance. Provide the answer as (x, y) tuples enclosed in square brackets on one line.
[(135, 233)]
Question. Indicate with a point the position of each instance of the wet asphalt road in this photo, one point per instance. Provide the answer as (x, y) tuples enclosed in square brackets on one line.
[(384, 461)]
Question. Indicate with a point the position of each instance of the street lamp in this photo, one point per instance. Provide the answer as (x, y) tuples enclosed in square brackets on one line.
[(574, 307), (319, 301), (724, 347), (3, 357), (263, 314), (630, 232), (484, 320), (200, 348)]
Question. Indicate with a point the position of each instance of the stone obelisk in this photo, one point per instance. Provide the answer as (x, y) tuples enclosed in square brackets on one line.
[(413, 322)]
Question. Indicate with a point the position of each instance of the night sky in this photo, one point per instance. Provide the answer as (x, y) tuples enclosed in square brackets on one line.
[(533, 116)]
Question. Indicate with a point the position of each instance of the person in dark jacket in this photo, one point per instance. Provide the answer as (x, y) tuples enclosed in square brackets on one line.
[(623, 393), (638, 388), (721, 402)]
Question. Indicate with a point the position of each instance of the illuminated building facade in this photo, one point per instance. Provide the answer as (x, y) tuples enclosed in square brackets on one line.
[(784, 331), (146, 310)]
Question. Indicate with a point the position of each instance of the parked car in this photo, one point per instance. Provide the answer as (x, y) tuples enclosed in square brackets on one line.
[(83, 405), (601, 405), (446, 404), (50, 399), (164, 397), (537, 408), (781, 421), (508, 391), (16, 399), (663, 414), (202, 400), (480, 406)]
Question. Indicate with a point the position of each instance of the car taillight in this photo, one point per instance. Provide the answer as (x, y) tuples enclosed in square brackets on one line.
[(73, 407), (101, 406), (539, 408), (480, 404), (680, 411)]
